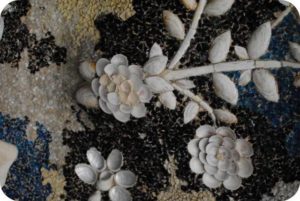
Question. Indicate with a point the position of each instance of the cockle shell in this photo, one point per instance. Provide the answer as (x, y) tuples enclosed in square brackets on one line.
[(158, 85), (86, 173), (86, 97), (118, 193), (189, 4), (96, 159), (155, 51), (244, 148), (174, 25), (218, 7), (87, 70), (8, 154), (196, 166), (125, 178), (295, 50), (115, 160), (210, 169), (139, 110), (220, 48), (190, 111), (156, 65), (205, 131), (193, 147), (232, 182), (96, 196), (168, 99), (210, 181), (106, 181), (225, 116), (221, 175), (245, 168)]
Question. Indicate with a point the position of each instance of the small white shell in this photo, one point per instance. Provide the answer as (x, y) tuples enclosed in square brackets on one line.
[(226, 132), (86, 173), (95, 159), (232, 183), (245, 168), (113, 98), (244, 148), (210, 181), (103, 93), (168, 99), (211, 147), (241, 52), (87, 70), (155, 50), (144, 94), (137, 70), (218, 7), (115, 160), (111, 69), (139, 111), (189, 4), (216, 139), (95, 86), (225, 116), (120, 116), (232, 168), (174, 25), (221, 175), (125, 178), (119, 59), (196, 166), (125, 108), (202, 157), (223, 165), (113, 108), (212, 150), (156, 65), (86, 97), (104, 107), (220, 48), (228, 142), (212, 160), (100, 65), (158, 85), (124, 71), (193, 148), (235, 156), (118, 193), (185, 84), (203, 143), (205, 131), (245, 78), (190, 111), (210, 169), (106, 181), (96, 196)]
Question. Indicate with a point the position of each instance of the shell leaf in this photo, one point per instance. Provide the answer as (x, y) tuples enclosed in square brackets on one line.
[(155, 65), (225, 88), (218, 7), (155, 51), (115, 160), (96, 196), (245, 78), (185, 84), (220, 48), (174, 25), (225, 116), (168, 99), (190, 111), (158, 85), (118, 193)]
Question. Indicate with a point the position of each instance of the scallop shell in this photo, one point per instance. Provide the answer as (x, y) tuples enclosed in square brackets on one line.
[(210, 169), (86, 173), (86, 97), (196, 166), (96, 196), (115, 160), (235, 155), (193, 147), (87, 70), (95, 159), (125, 179), (203, 143), (118, 193), (232, 183), (205, 131), (100, 65), (221, 175), (106, 181), (210, 181), (245, 168), (244, 148)]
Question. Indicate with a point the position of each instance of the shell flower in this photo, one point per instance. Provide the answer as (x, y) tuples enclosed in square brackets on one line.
[(220, 157), (106, 175), (120, 88)]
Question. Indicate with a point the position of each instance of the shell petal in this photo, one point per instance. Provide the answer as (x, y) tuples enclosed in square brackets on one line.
[(144, 94), (226, 132), (245, 168), (174, 25), (244, 148), (155, 51), (225, 116), (223, 165), (104, 107), (113, 98), (139, 111), (168, 99), (232, 183), (158, 85), (203, 143), (193, 148), (106, 181), (221, 175), (95, 159), (189, 4), (295, 50), (118, 193), (124, 71), (156, 65), (119, 59), (190, 111), (95, 86), (100, 65), (202, 157), (115, 160), (96, 196), (86, 173), (205, 131), (126, 178), (137, 70), (232, 168), (218, 7), (216, 139), (210, 181), (125, 109), (111, 69), (228, 142), (87, 71), (220, 48), (120, 116), (196, 166), (212, 160), (241, 52), (225, 88), (185, 84)]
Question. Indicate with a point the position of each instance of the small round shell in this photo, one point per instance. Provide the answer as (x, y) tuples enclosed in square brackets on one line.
[(96, 159), (106, 181), (87, 70), (232, 168), (119, 59), (86, 97), (86, 173), (210, 181), (223, 165), (232, 183), (100, 65), (210, 147), (226, 132), (244, 148), (125, 179), (210, 169), (203, 143), (115, 160), (202, 157), (228, 142), (118, 193), (245, 168), (221, 175), (205, 131), (212, 160), (193, 148), (196, 166), (96, 196)]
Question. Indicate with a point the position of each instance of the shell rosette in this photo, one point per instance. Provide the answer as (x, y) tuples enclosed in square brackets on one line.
[(220, 157)]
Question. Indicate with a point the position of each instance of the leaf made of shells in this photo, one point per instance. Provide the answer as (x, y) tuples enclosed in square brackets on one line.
[(225, 88), (218, 7), (174, 25), (266, 84), (190, 111), (220, 48)]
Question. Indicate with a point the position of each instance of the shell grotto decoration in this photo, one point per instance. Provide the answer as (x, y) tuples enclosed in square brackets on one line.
[(122, 90)]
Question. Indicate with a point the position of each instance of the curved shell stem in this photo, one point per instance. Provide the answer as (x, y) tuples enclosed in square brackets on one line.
[(190, 35)]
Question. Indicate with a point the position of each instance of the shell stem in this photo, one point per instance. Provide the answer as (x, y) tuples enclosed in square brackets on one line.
[(228, 67), (190, 35), (198, 100)]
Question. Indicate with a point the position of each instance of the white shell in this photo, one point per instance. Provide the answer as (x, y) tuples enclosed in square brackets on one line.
[(125, 178), (212, 160), (235, 156), (113, 108), (95, 86), (220, 48), (113, 98), (218, 7), (156, 65), (225, 88), (125, 109), (1, 27), (232, 183), (95, 159), (87, 70), (189, 4), (295, 50), (259, 41), (223, 165), (221, 175), (120, 116), (196, 166), (158, 84), (245, 168), (155, 50), (210, 169), (210, 181), (115, 160), (106, 181), (119, 59), (232, 168), (205, 131), (139, 111), (202, 157), (211, 147), (174, 25), (111, 69), (244, 148), (86, 173), (225, 116), (8, 154), (226, 132), (86, 97), (144, 94), (103, 93), (190, 111), (228, 142), (96, 196), (124, 71), (185, 84), (104, 107), (193, 148), (168, 99), (137, 70), (203, 143), (118, 193), (100, 65), (241, 52), (266, 84), (216, 139), (245, 78)]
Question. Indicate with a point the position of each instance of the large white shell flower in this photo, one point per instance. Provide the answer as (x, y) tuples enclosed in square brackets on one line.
[(107, 175), (121, 88), (220, 157)]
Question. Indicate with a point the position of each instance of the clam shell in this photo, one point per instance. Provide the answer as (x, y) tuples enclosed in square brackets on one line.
[(203, 143), (86, 173), (111, 69), (126, 179), (196, 166), (232, 183), (87, 70), (119, 59), (139, 110), (210, 169), (205, 131), (244, 148), (118, 193), (202, 157), (226, 132), (232, 168), (211, 147), (106, 181), (189, 4), (86, 97), (100, 65), (156, 65), (124, 71), (221, 175), (8, 154), (193, 147), (103, 93), (113, 98), (115, 160), (210, 181), (155, 50), (228, 142), (95, 86), (245, 168), (95, 159), (96, 196), (144, 94)]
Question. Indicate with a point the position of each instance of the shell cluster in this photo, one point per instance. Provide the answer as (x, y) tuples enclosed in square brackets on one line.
[(106, 175), (220, 157)]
